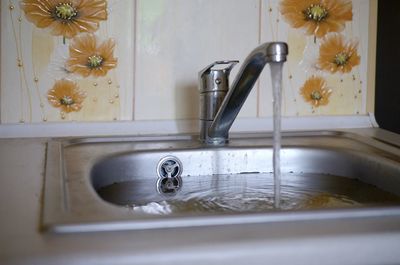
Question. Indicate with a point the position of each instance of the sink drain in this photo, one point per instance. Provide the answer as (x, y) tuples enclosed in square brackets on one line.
[(169, 171), (169, 167)]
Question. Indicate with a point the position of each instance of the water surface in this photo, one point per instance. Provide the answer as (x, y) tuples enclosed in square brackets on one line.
[(247, 193)]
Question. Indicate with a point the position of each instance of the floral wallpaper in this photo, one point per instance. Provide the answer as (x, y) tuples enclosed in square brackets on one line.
[(99, 60), (323, 20), (67, 66), (317, 17), (65, 18)]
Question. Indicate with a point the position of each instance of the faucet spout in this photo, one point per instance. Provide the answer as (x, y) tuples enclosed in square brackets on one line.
[(272, 52)]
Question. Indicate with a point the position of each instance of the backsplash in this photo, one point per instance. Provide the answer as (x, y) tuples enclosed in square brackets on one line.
[(138, 60), (50, 67)]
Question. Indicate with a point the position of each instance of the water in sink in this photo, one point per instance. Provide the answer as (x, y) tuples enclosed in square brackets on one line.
[(247, 193)]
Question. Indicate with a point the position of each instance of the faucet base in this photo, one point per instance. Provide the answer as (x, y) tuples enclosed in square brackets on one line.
[(204, 138), (216, 141)]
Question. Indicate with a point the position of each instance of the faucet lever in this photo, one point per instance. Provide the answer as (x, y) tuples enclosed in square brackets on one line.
[(227, 70), (214, 86)]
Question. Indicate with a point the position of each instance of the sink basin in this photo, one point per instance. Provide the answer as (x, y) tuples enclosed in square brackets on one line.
[(102, 184)]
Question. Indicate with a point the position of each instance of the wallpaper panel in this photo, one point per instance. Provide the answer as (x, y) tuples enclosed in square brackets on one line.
[(61, 62), (313, 84), (138, 60)]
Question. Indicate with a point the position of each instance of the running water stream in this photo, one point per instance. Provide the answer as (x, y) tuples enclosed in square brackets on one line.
[(276, 77)]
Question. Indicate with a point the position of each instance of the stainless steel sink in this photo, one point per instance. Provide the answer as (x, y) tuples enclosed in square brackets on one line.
[(99, 184)]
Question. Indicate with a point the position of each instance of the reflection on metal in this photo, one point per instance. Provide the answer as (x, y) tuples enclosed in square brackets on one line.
[(169, 186)]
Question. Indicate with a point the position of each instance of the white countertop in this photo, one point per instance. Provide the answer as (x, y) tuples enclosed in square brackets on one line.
[(21, 242)]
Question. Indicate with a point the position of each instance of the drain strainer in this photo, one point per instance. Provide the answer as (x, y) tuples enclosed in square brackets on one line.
[(169, 167), (169, 171)]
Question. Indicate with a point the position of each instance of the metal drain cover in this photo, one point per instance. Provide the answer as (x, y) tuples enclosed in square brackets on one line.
[(169, 167), (169, 171)]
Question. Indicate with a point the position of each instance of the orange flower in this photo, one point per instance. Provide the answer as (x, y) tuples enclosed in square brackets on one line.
[(318, 17), (315, 91), (66, 95), (88, 58), (66, 17), (336, 55)]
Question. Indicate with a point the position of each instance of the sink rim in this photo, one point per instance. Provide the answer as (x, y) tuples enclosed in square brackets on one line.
[(58, 216)]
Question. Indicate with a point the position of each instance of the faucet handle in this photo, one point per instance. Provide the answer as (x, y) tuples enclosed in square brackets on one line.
[(227, 69), (213, 86), (216, 79)]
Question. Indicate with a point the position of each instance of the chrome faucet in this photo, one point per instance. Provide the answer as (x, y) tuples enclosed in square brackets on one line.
[(220, 105)]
